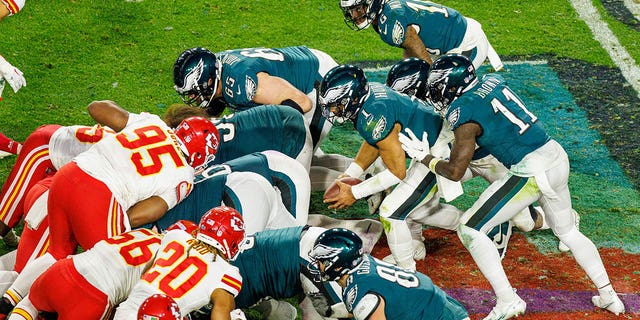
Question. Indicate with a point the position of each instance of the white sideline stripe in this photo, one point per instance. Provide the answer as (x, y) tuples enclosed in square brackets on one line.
[(634, 7), (609, 42), (530, 62)]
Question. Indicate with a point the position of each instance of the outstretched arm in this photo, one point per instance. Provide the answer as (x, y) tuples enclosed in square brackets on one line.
[(108, 113)]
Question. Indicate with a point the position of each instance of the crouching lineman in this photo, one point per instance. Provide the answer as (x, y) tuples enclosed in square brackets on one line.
[(374, 289), (194, 271)]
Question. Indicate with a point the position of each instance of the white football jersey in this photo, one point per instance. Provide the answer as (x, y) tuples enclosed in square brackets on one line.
[(140, 161), (115, 265), (68, 142), (187, 273)]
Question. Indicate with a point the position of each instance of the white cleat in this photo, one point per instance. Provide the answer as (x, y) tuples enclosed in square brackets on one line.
[(4, 154), (507, 311), (614, 305), (563, 247)]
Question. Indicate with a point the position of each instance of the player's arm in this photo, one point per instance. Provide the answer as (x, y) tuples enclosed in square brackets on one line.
[(461, 154), (390, 150), (223, 304), (275, 90), (414, 47), (108, 113), (147, 211), (4, 11)]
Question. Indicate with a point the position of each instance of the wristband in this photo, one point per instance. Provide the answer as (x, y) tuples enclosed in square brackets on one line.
[(354, 170), (377, 183), (433, 163)]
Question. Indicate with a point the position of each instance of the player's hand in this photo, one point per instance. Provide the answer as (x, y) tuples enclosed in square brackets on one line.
[(12, 75), (344, 199), (414, 147), (237, 314)]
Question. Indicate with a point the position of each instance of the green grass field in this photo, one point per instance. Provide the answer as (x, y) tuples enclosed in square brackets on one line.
[(73, 52)]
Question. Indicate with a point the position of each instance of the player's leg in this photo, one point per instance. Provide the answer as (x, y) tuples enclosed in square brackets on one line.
[(8, 146), (562, 221), (292, 180), (497, 204), (253, 196), (61, 289), (415, 190), (33, 164)]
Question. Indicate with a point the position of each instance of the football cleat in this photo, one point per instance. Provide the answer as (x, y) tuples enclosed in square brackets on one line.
[(507, 311), (613, 304), (576, 217)]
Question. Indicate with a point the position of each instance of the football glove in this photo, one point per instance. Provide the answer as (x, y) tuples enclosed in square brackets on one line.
[(11, 75), (414, 147)]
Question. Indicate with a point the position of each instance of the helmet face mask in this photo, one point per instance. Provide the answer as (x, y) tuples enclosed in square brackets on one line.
[(196, 76), (359, 14), (342, 93), (336, 252)]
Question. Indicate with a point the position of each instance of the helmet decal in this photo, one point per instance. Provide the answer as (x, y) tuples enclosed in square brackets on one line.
[(191, 78), (322, 252), (401, 84), (439, 75), (336, 93)]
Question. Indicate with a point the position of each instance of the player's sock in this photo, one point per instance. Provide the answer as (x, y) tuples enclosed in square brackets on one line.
[(399, 241), (9, 145)]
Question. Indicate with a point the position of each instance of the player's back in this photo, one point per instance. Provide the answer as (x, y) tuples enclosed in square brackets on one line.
[(509, 130), (440, 28), (140, 161), (184, 270), (270, 265), (115, 265), (240, 67), (407, 294), (68, 142), (267, 127), (385, 107)]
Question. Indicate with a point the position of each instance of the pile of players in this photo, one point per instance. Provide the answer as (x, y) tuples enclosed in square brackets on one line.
[(201, 215)]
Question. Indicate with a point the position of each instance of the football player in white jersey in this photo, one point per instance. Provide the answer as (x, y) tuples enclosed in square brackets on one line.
[(45, 150), (194, 271), (145, 167), (89, 285)]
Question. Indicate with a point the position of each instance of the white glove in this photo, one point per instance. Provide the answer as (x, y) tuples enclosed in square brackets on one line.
[(237, 314), (12, 75), (414, 147)]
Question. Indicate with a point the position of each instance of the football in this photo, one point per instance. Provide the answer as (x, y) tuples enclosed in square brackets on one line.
[(333, 189)]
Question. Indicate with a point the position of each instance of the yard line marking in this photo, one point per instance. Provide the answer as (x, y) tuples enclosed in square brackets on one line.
[(601, 32)]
